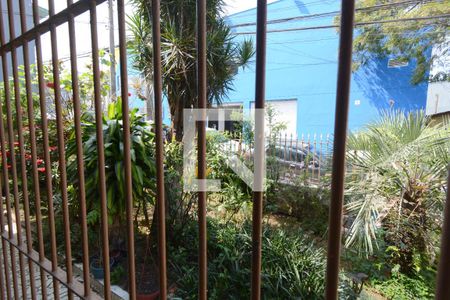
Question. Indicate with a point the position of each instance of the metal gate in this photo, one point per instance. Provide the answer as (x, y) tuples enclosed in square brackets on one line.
[(19, 259)]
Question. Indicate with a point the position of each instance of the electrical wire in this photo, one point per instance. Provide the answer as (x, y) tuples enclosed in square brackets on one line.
[(333, 13), (358, 24)]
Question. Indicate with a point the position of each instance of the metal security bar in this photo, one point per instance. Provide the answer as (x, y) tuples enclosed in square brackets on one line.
[(19, 259), (21, 246)]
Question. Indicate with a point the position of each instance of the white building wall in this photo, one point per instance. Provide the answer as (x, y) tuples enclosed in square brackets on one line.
[(438, 95)]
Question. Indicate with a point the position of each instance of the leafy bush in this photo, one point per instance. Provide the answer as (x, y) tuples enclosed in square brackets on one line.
[(309, 205), (403, 287), (291, 268), (142, 163)]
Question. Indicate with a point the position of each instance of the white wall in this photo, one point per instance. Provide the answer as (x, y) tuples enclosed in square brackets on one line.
[(438, 95), (438, 98), (286, 112)]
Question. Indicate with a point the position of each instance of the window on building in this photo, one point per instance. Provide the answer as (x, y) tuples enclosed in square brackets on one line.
[(398, 62)]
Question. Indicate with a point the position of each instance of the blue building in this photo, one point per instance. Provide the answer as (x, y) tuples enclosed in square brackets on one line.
[(302, 71)]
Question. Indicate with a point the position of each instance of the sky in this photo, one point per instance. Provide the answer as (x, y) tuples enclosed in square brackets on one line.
[(234, 6), (83, 27)]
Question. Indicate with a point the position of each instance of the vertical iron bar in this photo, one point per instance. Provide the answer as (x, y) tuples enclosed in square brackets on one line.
[(79, 146), (6, 189), (6, 181), (442, 289), (296, 155), (2, 285), (61, 150), (5, 170), (290, 150), (320, 155), (261, 28), (202, 104), (309, 158), (314, 154), (31, 125), (157, 85), (100, 150), (127, 147), (340, 138), (47, 159), (10, 129)]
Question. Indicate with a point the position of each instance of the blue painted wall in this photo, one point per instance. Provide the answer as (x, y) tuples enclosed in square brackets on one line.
[(302, 65)]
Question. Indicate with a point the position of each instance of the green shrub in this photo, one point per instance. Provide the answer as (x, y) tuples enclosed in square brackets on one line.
[(142, 163), (403, 287), (292, 268), (309, 205)]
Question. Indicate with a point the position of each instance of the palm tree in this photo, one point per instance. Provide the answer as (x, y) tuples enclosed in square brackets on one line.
[(399, 167), (178, 34)]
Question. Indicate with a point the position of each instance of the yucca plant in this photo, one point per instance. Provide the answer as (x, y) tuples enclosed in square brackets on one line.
[(396, 185), (142, 164), (179, 55)]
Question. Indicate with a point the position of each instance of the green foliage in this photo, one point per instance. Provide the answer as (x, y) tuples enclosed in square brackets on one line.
[(402, 40), (292, 268), (142, 163), (179, 54), (399, 168), (403, 287), (309, 205)]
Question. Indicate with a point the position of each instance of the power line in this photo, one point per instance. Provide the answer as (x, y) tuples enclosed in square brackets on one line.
[(332, 13), (335, 37), (358, 24), (309, 4)]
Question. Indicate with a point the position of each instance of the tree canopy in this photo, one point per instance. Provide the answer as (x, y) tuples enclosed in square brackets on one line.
[(179, 54), (408, 40)]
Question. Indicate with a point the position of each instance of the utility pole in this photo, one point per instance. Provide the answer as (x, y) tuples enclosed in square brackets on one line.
[(112, 51)]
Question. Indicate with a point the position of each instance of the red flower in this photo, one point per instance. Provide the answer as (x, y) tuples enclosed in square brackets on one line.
[(27, 156), (39, 161), (53, 148), (16, 144), (129, 94), (50, 85), (9, 166), (42, 170)]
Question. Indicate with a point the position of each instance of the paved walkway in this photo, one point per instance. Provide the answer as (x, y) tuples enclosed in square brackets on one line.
[(36, 279)]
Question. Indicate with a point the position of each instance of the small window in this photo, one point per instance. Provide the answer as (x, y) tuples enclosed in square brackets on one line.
[(397, 62)]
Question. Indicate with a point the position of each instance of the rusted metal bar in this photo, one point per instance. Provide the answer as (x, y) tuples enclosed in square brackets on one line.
[(5, 173), (339, 148), (202, 104), (60, 18), (58, 274), (5, 266), (442, 288), (79, 146), (100, 150), (37, 201), (6, 180), (160, 194), (47, 159), (2, 284), (61, 150), (11, 145), (258, 196), (127, 147)]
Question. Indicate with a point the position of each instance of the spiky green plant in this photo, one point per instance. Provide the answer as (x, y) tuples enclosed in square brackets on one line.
[(142, 163), (399, 166), (179, 54)]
